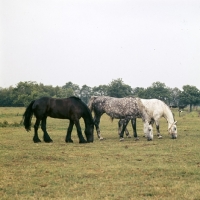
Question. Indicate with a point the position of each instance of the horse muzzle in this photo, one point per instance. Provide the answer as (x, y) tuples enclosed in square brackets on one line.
[(90, 139), (149, 139), (174, 136)]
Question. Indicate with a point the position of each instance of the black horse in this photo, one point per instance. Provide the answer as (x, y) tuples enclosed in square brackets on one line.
[(71, 108)]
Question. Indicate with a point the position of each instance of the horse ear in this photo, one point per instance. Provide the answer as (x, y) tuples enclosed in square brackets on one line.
[(175, 122)]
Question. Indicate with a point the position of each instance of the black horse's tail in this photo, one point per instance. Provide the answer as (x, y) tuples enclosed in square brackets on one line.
[(28, 114)]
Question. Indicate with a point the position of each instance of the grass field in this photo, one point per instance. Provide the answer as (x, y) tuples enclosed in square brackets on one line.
[(109, 169)]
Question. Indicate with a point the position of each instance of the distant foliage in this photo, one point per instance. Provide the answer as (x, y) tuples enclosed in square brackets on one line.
[(117, 88), (24, 92), (6, 124)]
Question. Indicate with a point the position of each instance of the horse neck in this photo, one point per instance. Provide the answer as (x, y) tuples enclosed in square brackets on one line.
[(88, 119), (168, 116), (90, 104), (144, 114)]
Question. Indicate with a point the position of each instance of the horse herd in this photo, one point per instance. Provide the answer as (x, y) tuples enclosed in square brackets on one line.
[(73, 108)]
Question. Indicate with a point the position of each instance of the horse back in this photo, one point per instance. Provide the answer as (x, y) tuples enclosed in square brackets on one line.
[(65, 108), (155, 107), (40, 107)]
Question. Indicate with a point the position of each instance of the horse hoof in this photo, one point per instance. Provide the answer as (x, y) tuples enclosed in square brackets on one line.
[(69, 141), (121, 139), (49, 141), (160, 137), (137, 138), (128, 136), (36, 141), (83, 142), (101, 138)]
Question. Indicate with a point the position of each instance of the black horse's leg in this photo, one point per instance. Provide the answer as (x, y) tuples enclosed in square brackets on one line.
[(36, 126), (123, 129), (46, 136), (96, 123), (133, 123), (80, 135), (69, 132)]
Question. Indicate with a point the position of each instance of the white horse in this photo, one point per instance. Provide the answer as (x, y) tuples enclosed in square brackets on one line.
[(157, 109)]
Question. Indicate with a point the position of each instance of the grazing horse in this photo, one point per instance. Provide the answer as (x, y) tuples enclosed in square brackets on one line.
[(157, 109), (120, 108), (71, 108)]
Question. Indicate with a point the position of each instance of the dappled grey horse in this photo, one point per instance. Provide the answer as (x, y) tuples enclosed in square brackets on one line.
[(120, 108)]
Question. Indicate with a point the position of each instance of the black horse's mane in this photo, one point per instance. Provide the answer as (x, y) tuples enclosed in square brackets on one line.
[(77, 98), (74, 97)]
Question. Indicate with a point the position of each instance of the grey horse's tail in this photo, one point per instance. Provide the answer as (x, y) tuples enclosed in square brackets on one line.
[(90, 103)]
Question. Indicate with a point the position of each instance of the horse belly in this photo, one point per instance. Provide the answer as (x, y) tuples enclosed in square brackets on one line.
[(122, 110), (115, 115), (58, 113), (123, 114)]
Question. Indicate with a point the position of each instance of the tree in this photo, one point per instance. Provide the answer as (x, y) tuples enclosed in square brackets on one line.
[(6, 96), (101, 90), (71, 89), (158, 90), (174, 96), (139, 92), (190, 95), (65, 92), (45, 90), (85, 93), (22, 93), (25, 92), (118, 89)]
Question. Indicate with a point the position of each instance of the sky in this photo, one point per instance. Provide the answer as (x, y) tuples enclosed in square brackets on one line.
[(93, 42)]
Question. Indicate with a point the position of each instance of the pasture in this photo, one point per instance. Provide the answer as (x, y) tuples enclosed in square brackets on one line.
[(108, 169)]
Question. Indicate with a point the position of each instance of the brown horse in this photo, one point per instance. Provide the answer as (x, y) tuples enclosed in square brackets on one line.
[(71, 108)]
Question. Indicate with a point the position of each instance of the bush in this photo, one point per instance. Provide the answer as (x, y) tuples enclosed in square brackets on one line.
[(4, 124)]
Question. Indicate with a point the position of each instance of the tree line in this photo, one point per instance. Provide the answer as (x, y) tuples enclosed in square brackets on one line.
[(24, 92)]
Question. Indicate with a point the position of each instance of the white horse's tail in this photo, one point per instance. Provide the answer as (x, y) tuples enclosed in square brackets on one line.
[(90, 103)]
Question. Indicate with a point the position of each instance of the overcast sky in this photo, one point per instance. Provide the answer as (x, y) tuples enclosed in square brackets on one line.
[(93, 42)]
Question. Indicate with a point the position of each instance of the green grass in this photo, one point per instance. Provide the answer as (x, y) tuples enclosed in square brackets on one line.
[(109, 169)]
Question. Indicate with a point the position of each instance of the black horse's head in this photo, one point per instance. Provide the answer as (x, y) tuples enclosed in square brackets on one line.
[(89, 133)]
